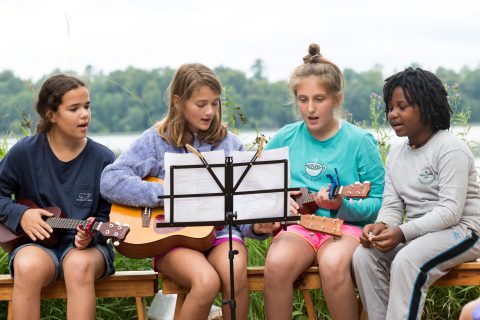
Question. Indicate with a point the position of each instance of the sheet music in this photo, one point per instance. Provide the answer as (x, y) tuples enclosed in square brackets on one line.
[(260, 177), (194, 181)]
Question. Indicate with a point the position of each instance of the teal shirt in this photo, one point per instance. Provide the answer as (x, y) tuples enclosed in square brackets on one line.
[(352, 151)]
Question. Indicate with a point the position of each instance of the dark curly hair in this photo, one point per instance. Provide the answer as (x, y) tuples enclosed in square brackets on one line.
[(422, 89)]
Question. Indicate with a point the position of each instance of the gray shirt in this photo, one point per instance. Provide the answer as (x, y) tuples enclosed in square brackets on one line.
[(435, 185)]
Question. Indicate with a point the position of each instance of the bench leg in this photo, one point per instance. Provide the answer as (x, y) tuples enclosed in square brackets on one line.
[(10, 312), (178, 305), (309, 304), (141, 308)]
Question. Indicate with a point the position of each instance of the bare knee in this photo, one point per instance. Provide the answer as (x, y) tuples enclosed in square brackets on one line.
[(276, 271), (205, 287), (241, 281), (77, 269), (33, 273), (338, 265), (240, 273)]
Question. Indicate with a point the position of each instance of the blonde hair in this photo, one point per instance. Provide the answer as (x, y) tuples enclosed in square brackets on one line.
[(315, 64), (186, 81)]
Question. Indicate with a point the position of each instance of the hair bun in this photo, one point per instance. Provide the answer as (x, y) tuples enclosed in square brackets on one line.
[(314, 55), (314, 49)]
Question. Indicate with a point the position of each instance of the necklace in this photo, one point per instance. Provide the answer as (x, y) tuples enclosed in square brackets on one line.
[(419, 145)]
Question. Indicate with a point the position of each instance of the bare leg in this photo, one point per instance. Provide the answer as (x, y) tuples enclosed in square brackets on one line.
[(467, 310), (80, 269), (219, 260), (34, 269), (288, 256), (335, 266), (190, 268)]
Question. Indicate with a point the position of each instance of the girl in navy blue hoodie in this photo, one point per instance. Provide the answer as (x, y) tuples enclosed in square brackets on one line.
[(57, 167)]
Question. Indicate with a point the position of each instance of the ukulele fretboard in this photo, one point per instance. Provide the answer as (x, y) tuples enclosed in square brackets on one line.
[(309, 197)]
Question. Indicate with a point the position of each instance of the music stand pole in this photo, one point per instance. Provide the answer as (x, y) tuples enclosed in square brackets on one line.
[(231, 255), (229, 218)]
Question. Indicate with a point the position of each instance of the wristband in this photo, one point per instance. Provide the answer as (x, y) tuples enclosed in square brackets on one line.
[(384, 224)]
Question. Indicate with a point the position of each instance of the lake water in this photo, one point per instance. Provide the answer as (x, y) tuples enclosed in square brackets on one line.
[(121, 142)]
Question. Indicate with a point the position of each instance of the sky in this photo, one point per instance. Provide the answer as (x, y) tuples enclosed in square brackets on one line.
[(38, 36)]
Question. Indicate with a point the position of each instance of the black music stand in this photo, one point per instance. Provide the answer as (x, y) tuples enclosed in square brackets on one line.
[(228, 192)]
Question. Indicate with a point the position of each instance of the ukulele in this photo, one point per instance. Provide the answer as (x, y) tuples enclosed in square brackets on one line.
[(146, 240), (332, 226), (10, 240)]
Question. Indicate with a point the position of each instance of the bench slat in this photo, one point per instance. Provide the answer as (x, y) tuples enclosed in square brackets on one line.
[(466, 274), (122, 284)]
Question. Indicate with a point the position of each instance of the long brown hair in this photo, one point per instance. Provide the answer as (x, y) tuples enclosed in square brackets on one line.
[(50, 97), (174, 127)]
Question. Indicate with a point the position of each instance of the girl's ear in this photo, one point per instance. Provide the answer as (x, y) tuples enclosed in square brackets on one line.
[(176, 102), (50, 116)]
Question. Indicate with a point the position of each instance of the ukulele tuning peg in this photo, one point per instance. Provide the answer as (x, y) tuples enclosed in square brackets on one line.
[(116, 243), (117, 222), (109, 242), (357, 182), (126, 225)]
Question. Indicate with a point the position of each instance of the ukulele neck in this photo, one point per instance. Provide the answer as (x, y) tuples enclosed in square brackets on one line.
[(309, 197), (63, 223)]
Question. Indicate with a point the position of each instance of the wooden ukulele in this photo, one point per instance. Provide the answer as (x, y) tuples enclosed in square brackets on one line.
[(146, 240), (10, 240), (308, 207)]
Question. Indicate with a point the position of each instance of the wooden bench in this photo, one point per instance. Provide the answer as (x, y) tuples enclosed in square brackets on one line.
[(466, 274), (122, 284)]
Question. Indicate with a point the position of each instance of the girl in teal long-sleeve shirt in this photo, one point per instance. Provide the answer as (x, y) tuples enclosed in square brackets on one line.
[(321, 145)]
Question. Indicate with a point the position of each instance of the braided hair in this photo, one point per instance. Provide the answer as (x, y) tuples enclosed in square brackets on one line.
[(422, 89)]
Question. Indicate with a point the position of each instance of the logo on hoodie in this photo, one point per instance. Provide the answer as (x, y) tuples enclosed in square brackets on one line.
[(84, 197)]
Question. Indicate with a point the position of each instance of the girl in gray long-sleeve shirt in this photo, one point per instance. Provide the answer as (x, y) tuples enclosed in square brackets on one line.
[(194, 117), (431, 179)]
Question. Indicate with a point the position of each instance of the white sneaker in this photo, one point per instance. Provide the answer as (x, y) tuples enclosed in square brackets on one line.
[(215, 313)]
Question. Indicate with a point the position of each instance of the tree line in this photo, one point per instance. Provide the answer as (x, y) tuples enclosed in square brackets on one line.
[(133, 99)]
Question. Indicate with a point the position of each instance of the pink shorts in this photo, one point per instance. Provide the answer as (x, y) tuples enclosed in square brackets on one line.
[(217, 242), (316, 239)]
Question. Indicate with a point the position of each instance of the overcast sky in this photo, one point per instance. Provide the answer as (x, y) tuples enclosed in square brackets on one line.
[(38, 35)]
